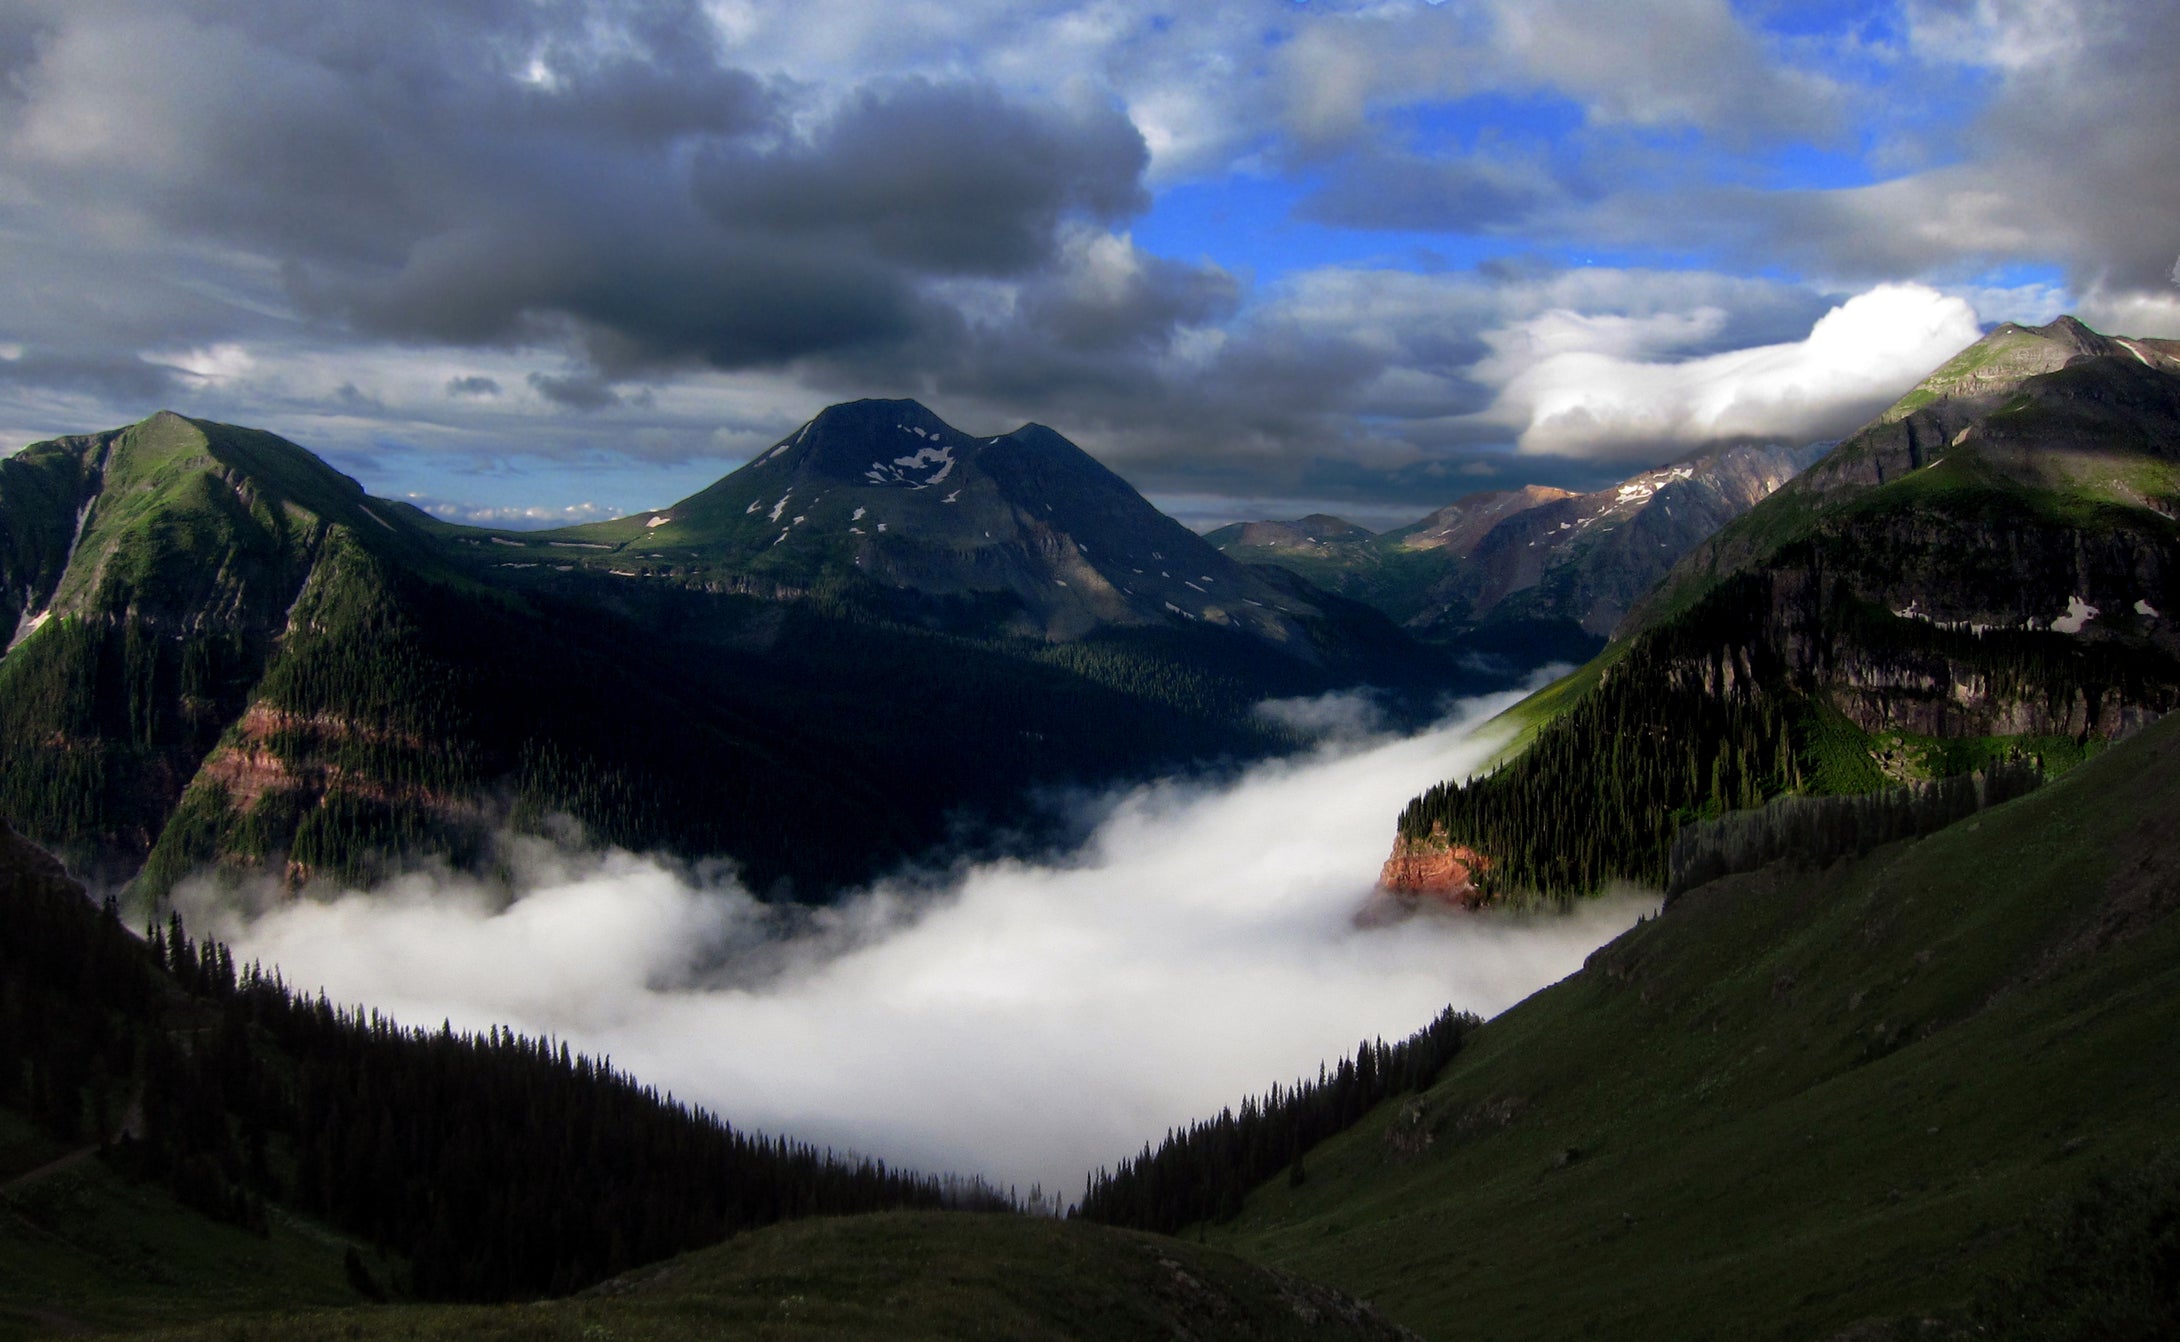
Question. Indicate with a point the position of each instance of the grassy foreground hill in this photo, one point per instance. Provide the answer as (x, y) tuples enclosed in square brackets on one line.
[(1800, 1100), (923, 1276)]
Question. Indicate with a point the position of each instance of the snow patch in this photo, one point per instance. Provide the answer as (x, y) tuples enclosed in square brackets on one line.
[(906, 470), (502, 540), (783, 534), (376, 518), (951, 497), (578, 545), (2078, 613), (881, 526), (781, 506), (530, 564), (799, 518), (858, 514), (754, 505), (659, 521)]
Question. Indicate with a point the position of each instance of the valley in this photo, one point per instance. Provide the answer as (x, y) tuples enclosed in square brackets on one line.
[(1796, 963), (1414, 670)]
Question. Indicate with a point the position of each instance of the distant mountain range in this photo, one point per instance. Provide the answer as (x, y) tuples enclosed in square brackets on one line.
[(1530, 574), (224, 653), (1987, 571)]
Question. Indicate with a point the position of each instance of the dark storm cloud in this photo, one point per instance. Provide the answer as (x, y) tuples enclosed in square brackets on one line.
[(1365, 386), (763, 255), (581, 391), (2084, 144), (944, 179), (592, 177), (475, 384), (117, 376)]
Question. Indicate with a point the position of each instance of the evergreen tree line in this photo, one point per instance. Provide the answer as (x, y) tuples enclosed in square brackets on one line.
[(1704, 716), (405, 714), (1603, 788), (1202, 1172), (494, 1165), (1819, 830)]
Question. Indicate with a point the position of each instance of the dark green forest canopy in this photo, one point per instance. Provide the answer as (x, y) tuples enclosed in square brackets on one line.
[(488, 1165)]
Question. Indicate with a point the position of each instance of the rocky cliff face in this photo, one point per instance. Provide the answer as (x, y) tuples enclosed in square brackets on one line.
[(1459, 527), (1586, 558), (1432, 868)]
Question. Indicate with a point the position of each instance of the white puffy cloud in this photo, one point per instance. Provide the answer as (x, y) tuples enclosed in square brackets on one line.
[(1601, 399)]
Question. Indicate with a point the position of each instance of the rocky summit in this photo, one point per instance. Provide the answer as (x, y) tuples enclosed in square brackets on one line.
[(891, 494), (1530, 573)]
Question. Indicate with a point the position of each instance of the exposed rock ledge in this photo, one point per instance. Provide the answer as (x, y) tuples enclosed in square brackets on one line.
[(1430, 867)]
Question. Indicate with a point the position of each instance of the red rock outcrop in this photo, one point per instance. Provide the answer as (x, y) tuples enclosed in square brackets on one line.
[(1432, 868)]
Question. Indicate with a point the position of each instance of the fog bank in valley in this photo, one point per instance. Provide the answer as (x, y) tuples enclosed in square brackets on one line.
[(1024, 1020)]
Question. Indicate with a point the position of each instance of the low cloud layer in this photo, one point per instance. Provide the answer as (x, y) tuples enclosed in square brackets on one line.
[(1028, 1021)]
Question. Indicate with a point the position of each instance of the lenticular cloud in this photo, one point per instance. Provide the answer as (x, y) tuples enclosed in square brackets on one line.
[(1859, 357), (1023, 1020)]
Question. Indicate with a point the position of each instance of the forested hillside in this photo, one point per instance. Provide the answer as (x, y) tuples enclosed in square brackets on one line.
[(1982, 575), (227, 657), (480, 1167)]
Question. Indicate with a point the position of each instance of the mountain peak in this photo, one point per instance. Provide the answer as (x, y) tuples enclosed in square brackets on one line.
[(1304, 534), (1461, 525), (1025, 527), (2072, 330)]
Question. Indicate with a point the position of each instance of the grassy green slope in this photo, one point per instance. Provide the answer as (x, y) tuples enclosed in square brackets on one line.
[(1795, 1101), (898, 1275), (83, 1249)]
